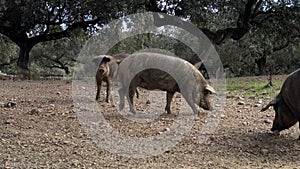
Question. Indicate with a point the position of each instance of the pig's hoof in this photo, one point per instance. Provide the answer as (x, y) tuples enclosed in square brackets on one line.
[(198, 112), (168, 111), (121, 108)]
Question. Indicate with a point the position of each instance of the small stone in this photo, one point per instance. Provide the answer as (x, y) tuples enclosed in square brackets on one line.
[(10, 104), (252, 97), (66, 142), (229, 96), (267, 121), (58, 93), (75, 163), (257, 105), (9, 121), (241, 103), (240, 98), (260, 101), (148, 101), (35, 111), (264, 151)]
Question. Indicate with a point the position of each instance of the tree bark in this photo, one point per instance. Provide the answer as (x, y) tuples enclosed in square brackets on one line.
[(23, 61), (261, 64)]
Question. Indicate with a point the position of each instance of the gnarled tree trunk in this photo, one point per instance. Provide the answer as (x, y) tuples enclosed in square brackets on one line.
[(261, 64), (23, 61)]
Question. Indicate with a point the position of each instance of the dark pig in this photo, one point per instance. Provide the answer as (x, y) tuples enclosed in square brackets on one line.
[(106, 69), (287, 104)]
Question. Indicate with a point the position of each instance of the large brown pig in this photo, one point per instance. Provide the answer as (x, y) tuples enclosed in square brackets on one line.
[(196, 92), (106, 69), (287, 104)]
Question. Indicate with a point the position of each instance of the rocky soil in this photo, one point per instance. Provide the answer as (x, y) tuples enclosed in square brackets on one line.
[(40, 128)]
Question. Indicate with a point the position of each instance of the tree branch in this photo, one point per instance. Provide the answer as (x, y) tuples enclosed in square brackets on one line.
[(64, 33), (8, 63), (217, 37)]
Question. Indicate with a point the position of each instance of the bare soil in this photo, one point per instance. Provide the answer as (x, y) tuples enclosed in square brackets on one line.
[(40, 129)]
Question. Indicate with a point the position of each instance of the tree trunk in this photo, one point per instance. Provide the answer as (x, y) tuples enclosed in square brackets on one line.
[(261, 64), (66, 69), (23, 60)]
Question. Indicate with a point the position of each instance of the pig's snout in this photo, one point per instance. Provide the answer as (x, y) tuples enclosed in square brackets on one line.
[(101, 71)]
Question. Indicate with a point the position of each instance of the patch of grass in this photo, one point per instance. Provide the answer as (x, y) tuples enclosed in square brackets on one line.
[(253, 87)]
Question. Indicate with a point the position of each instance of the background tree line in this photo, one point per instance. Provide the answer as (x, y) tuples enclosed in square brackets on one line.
[(252, 37)]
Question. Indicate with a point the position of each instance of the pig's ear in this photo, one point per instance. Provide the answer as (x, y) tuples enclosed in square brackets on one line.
[(198, 64), (210, 89), (118, 61)]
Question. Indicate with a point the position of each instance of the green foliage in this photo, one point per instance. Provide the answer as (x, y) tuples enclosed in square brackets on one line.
[(239, 59), (57, 57), (30, 22), (151, 41), (264, 32), (8, 55), (284, 61)]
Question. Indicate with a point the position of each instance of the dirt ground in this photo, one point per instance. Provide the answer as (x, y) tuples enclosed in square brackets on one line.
[(40, 129)]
